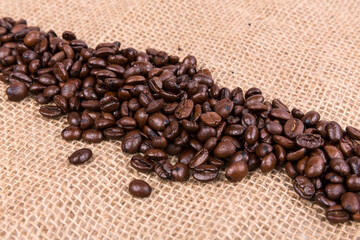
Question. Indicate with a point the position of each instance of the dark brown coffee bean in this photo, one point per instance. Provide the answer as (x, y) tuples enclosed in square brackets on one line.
[(297, 155), (334, 131), (340, 166), (311, 118), (158, 121), (282, 141), (224, 107), (334, 191), (131, 142), (279, 113), (80, 156), (290, 170), (350, 202), (74, 118), (142, 164), (199, 158), (50, 111), (353, 132), (321, 128), (234, 130), (17, 91), (156, 154), (224, 149), (145, 146), (274, 128), (71, 133), (336, 214), (51, 91), (309, 140), (293, 127), (304, 187), (186, 156), (354, 163), (114, 133), (211, 119), (322, 200), (41, 99), (61, 102), (109, 104), (251, 134), (210, 144), (184, 109), (155, 106), (333, 152), (163, 169), (334, 178), (315, 166), (205, 173), (21, 77), (205, 132), (280, 153), (263, 149), (252, 91), (92, 136), (268, 163), (236, 171), (139, 188), (180, 172), (353, 183)]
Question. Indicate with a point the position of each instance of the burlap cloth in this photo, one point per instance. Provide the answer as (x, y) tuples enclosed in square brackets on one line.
[(303, 52)]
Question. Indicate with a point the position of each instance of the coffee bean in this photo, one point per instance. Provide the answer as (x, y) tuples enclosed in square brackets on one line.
[(139, 188), (290, 170), (311, 118), (17, 91), (142, 164), (334, 132), (211, 119), (336, 214), (156, 154), (205, 172), (304, 187), (293, 127), (92, 136), (262, 149), (158, 121), (334, 191), (224, 107), (180, 172), (284, 141), (224, 149), (350, 202), (309, 140), (251, 134), (280, 113), (297, 155), (71, 133), (131, 142), (353, 183), (199, 158), (334, 178), (50, 111), (80, 156), (322, 200), (315, 166), (268, 163), (186, 156), (236, 171), (340, 166), (353, 132), (184, 109), (163, 169)]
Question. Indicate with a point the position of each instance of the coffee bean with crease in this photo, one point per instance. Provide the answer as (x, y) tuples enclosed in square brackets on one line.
[(304, 187), (163, 169), (142, 164), (205, 173)]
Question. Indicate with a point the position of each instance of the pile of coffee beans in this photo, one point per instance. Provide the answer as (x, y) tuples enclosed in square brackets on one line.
[(161, 106)]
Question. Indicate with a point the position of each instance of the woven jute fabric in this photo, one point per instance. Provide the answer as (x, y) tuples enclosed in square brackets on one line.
[(306, 53)]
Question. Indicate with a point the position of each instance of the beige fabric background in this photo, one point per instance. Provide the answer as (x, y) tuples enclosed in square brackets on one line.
[(303, 52)]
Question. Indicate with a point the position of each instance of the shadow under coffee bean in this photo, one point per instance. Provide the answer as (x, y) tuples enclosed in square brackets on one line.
[(161, 106)]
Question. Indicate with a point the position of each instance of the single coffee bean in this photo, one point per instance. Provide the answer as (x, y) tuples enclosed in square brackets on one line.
[(224, 149), (315, 166), (156, 154), (251, 134), (199, 158), (114, 133), (186, 156), (336, 214), (80, 156), (262, 149), (290, 170), (353, 183), (180, 172), (139, 188), (350, 202), (163, 169), (50, 111), (211, 119), (354, 163), (334, 191), (142, 164), (321, 128), (333, 152), (334, 178), (334, 131), (311, 118), (274, 128), (279, 113), (353, 133), (293, 127), (309, 140), (340, 166), (322, 200), (71, 133), (236, 171), (224, 107), (92, 136), (158, 121), (17, 91), (268, 163), (304, 187), (285, 142), (205, 173), (74, 118), (131, 142), (184, 109)]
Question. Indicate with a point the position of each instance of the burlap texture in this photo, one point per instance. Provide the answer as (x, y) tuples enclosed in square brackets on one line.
[(305, 53)]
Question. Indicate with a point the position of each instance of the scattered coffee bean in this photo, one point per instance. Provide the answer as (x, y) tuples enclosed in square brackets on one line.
[(139, 188), (80, 156)]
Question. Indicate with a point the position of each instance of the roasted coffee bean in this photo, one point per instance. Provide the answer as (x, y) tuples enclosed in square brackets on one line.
[(353, 183), (74, 118), (251, 134), (17, 91), (139, 188), (234, 130), (142, 164), (236, 171), (186, 156), (71, 133), (180, 172), (336, 214), (333, 152), (293, 127), (304, 187), (353, 133), (354, 163), (284, 141), (274, 128), (156, 154), (334, 178), (205, 173), (268, 163), (224, 149), (334, 131), (262, 149), (205, 132), (290, 170), (224, 107), (199, 158), (311, 118), (163, 169), (280, 113), (158, 121), (322, 200), (184, 109), (109, 104), (252, 91), (131, 142), (80, 156), (297, 155), (309, 140), (334, 191), (211, 119), (350, 202), (50, 111), (92, 136), (155, 106), (340, 166), (315, 166)]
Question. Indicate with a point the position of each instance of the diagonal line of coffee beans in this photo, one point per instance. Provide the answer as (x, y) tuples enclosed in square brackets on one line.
[(161, 106)]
